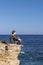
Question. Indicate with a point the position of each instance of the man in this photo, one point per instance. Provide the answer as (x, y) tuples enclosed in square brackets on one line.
[(13, 38)]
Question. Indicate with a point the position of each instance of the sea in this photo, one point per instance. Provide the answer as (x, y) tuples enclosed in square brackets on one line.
[(31, 49)]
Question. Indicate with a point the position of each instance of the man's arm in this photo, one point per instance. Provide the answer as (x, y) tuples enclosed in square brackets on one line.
[(17, 39)]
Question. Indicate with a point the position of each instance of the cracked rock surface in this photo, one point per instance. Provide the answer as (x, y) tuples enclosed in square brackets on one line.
[(10, 56)]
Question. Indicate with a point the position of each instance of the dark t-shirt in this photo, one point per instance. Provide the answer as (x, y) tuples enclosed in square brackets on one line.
[(13, 39)]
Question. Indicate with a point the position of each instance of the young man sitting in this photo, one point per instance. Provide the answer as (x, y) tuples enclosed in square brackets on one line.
[(13, 38)]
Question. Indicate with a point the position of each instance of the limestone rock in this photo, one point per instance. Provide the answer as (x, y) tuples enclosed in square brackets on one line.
[(10, 56)]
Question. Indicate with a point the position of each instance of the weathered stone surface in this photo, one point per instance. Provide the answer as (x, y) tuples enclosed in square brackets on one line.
[(10, 56)]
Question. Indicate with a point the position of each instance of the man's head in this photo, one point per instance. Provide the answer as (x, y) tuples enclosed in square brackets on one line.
[(14, 32)]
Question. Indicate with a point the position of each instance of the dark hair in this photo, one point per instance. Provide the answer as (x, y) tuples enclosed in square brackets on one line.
[(13, 31)]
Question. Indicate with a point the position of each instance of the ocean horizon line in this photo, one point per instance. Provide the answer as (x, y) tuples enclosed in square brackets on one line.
[(22, 34)]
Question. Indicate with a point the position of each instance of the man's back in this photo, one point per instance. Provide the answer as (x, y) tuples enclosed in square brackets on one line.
[(13, 39)]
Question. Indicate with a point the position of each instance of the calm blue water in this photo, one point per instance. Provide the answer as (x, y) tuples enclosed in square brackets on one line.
[(33, 49)]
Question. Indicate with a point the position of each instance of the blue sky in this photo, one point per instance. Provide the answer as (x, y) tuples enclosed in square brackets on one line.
[(24, 16)]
